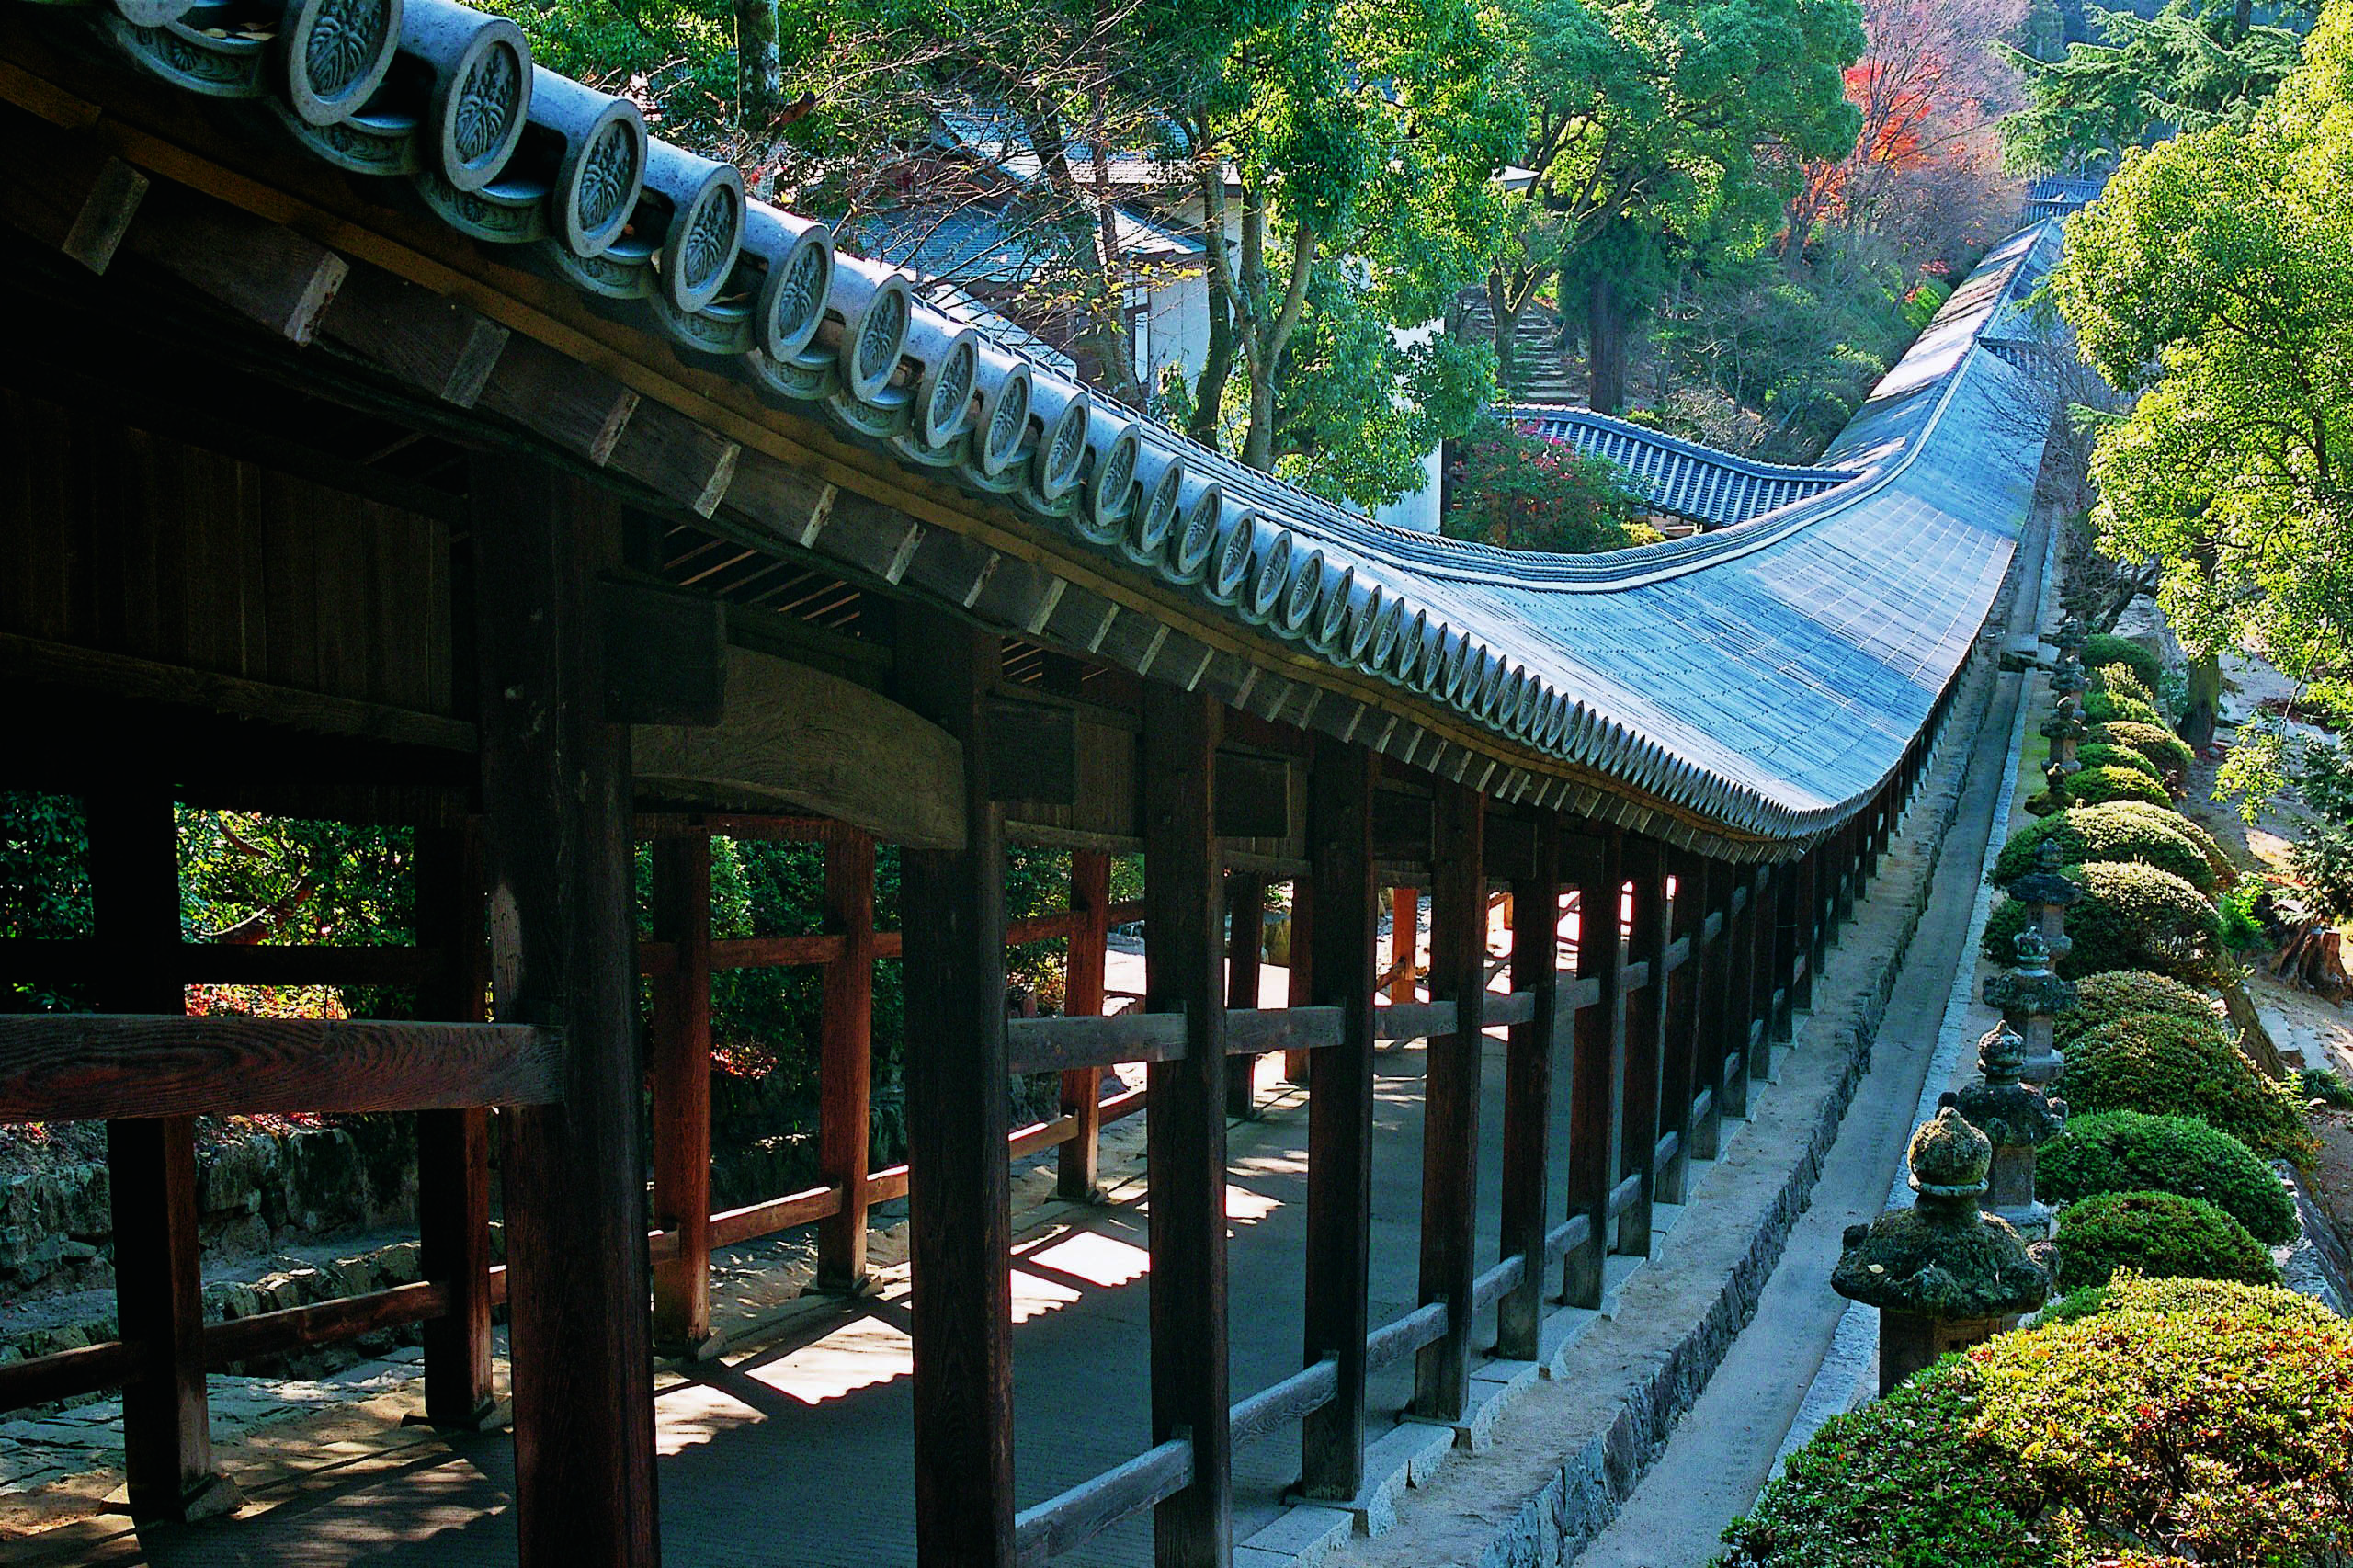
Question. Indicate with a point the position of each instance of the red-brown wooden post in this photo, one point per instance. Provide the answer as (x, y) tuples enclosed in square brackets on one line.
[(1340, 972), (1245, 903), (1645, 1044), (1405, 942), (1807, 933), (151, 1169), (680, 1042), (1723, 1062), (1678, 1025), (1450, 1097), (1184, 1131), (1764, 945), (846, 1056), (1789, 906), (555, 793), (1303, 969), (958, 1185), (453, 1146), (1598, 872), (1527, 1092), (1082, 1088)]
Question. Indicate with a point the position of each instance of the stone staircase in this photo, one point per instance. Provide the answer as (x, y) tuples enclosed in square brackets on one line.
[(1543, 371)]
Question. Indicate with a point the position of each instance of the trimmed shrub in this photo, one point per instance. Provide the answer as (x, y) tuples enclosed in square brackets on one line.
[(2097, 786), (2118, 756), (2132, 916), (2117, 680), (2123, 1150), (2225, 873), (2108, 707), (2106, 833), (2160, 1422), (2168, 751), (2121, 994), (2165, 1065), (2104, 648), (2157, 1233)]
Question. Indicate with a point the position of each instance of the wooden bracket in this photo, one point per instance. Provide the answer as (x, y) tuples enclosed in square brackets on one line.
[(436, 344), (263, 271), (68, 192)]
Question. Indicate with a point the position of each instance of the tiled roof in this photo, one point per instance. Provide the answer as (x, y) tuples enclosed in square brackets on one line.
[(1763, 678), (1683, 478)]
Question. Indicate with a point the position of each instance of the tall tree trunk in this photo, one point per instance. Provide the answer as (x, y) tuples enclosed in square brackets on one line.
[(1505, 317), (759, 72), (1605, 346), (2197, 725), (1102, 336), (1217, 359)]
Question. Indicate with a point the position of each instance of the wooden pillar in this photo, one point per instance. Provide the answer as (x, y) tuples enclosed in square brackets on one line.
[(958, 1185), (1450, 1097), (1296, 1067), (680, 1042), (151, 1169), (1339, 969), (1246, 902), (845, 1056), (1090, 900), (1595, 1064), (555, 791), (1724, 1030), (1788, 907), (1645, 1016), (1764, 945), (1527, 1092), (453, 1146), (1185, 1129), (1405, 942), (1821, 883), (1678, 1025)]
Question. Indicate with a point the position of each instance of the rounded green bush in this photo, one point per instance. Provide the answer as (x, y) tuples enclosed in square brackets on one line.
[(2157, 1234), (2111, 832), (2132, 916), (2107, 707), (2224, 872), (2097, 786), (2118, 756), (2121, 994), (2164, 1422), (2123, 1150), (2104, 648), (2161, 1064), (2168, 751)]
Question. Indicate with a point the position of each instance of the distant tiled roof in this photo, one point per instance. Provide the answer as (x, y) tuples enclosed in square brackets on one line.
[(1762, 678), (2055, 196), (1678, 477)]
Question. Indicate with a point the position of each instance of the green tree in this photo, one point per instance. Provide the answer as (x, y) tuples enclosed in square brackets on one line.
[(2211, 278), (2194, 64), (1655, 129)]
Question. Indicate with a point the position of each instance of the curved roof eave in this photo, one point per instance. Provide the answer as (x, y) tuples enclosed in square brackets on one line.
[(1766, 676)]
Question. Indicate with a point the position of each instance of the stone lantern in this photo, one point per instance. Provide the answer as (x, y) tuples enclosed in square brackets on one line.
[(1943, 1274), (2016, 1118), (2071, 639), (2064, 730), (2031, 998), (2047, 892)]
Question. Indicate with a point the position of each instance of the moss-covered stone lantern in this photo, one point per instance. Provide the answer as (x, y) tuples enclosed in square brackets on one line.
[(2031, 998), (2016, 1118), (1943, 1274)]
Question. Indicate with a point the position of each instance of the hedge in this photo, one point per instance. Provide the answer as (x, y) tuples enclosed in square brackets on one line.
[(2123, 1150), (2107, 707), (2165, 1422), (2105, 648), (2117, 680), (2131, 761), (2105, 999), (2224, 872), (2163, 1065), (2097, 786), (2111, 832), (2160, 1234), (2166, 750), (2130, 917)]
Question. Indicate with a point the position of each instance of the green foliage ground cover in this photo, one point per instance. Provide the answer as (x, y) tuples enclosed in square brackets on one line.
[(2153, 1421)]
